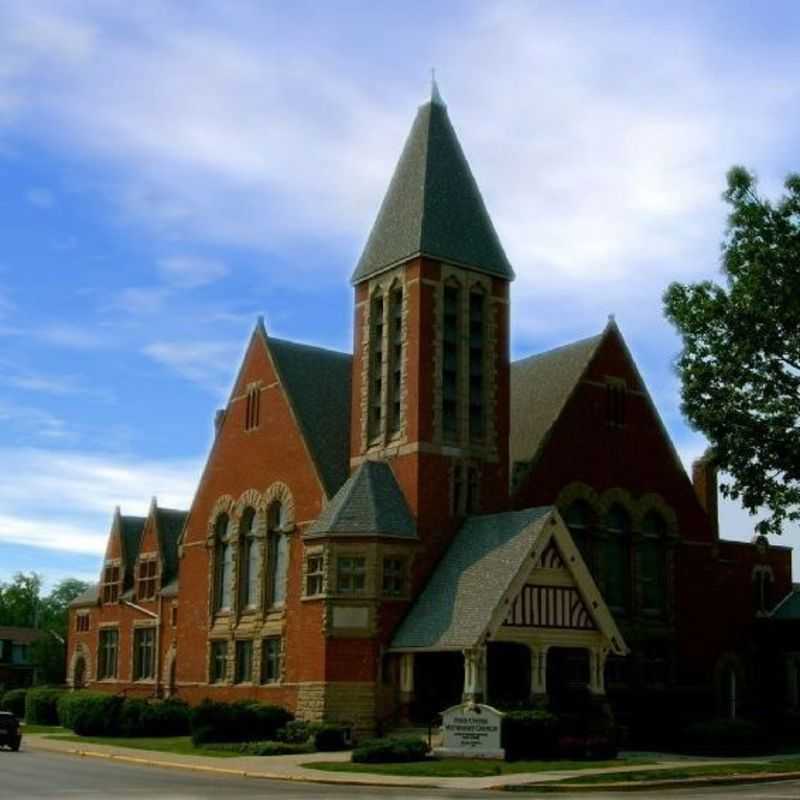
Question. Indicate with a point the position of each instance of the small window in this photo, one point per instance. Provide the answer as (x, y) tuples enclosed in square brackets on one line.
[(244, 661), (615, 402), (144, 654), (351, 574), (219, 659), (394, 576), (252, 413), (314, 575), (111, 583), (271, 660), (81, 623), (108, 655), (174, 616), (148, 570)]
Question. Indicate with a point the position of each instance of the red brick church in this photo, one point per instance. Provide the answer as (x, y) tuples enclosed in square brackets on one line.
[(378, 535)]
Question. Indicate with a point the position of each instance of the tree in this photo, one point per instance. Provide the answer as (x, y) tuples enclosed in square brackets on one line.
[(19, 600), (740, 363)]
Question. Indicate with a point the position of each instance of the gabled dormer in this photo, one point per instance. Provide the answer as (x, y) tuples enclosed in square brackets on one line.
[(117, 574), (156, 564)]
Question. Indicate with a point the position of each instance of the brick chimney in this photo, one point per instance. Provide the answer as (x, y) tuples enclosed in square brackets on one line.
[(704, 479)]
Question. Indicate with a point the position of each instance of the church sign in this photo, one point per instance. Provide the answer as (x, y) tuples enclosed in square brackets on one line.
[(471, 730)]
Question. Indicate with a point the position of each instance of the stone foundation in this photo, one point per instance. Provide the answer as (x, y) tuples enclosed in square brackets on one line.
[(346, 702)]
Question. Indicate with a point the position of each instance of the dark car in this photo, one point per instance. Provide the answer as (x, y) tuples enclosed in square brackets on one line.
[(10, 734)]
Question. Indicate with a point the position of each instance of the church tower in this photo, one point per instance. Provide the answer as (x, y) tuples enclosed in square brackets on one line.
[(431, 354)]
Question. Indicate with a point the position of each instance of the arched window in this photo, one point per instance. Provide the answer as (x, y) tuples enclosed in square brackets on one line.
[(579, 519), (79, 674), (652, 564), (250, 560), (762, 590), (277, 555), (223, 563), (615, 559)]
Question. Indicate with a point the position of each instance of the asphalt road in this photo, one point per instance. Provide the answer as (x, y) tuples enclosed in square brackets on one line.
[(30, 775)]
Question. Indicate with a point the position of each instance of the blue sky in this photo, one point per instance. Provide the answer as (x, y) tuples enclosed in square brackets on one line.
[(168, 171)]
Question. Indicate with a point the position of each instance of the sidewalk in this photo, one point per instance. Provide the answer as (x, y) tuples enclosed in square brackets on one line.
[(289, 767)]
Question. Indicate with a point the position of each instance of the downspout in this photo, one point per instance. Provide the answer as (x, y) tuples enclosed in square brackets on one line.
[(157, 618)]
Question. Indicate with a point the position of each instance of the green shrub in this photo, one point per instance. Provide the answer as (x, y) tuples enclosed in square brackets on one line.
[(242, 721), (298, 731), (262, 748), (41, 706), (14, 701), (726, 737), (392, 750), (329, 738), (68, 705), (96, 714), (529, 734), (153, 718)]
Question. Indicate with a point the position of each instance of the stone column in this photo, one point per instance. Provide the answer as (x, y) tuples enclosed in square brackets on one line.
[(539, 674), (473, 680), (597, 664)]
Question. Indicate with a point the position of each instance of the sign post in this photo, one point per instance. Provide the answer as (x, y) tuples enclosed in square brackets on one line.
[(471, 730)]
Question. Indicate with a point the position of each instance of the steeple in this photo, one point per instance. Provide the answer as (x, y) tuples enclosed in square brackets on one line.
[(433, 206)]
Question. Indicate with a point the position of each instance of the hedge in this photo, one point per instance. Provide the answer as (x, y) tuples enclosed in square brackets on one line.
[(298, 731), (70, 703), (14, 701), (726, 737), (330, 738), (242, 721), (530, 734), (41, 706), (262, 748), (392, 750), (96, 715), (154, 718)]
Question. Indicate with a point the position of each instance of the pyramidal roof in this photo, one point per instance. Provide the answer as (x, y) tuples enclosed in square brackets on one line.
[(433, 206), (370, 503)]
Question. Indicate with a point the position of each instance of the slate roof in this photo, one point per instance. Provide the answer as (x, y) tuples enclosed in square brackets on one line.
[(317, 383), (20, 635), (540, 387), (87, 598), (370, 503), (130, 535), (457, 604), (169, 525), (433, 206), (789, 607)]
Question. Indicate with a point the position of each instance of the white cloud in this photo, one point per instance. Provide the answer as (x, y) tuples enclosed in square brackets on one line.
[(141, 300), (211, 364), (64, 500), (74, 337), (184, 272), (34, 422)]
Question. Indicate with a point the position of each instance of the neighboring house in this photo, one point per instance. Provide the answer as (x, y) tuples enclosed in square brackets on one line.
[(376, 536), (17, 666)]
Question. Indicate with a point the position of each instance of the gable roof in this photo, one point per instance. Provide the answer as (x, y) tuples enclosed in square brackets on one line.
[(130, 531), (472, 588), (433, 206), (540, 387), (457, 604), (317, 385), (87, 598), (169, 525), (369, 503)]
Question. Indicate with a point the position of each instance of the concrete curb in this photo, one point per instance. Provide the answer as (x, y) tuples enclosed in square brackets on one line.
[(633, 786), (236, 773)]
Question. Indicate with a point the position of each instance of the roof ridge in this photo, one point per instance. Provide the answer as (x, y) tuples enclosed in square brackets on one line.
[(575, 343), (306, 346)]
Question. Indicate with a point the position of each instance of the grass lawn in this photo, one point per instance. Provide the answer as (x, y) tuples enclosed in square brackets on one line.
[(26, 729), (467, 767), (180, 745), (711, 771)]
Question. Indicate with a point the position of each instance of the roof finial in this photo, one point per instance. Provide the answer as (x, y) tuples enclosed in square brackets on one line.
[(436, 98)]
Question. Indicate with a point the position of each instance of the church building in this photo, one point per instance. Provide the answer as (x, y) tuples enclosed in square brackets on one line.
[(376, 536)]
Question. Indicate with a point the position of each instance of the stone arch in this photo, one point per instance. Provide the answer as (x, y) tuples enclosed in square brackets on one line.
[(578, 491), (655, 502), (80, 655), (623, 498), (281, 493), (223, 505)]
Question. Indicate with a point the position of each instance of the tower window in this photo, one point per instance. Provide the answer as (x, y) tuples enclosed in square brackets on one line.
[(351, 573), (396, 356), (451, 320), (252, 414), (376, 367), (477, 304), (315, 573)]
